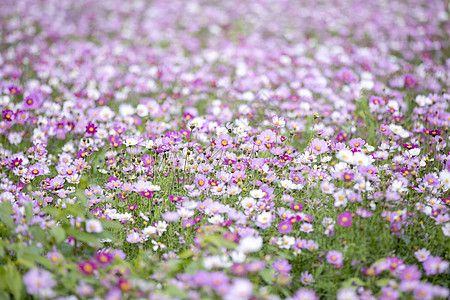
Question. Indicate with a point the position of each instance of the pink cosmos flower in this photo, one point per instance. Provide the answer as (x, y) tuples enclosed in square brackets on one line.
[(319, 146), (37, 280), (285, 227), (345, 219), (224, 141), (334, 257)]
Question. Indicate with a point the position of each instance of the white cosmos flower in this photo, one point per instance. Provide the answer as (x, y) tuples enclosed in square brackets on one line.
[(346, 155), (399, 186), (149, 144), (286, 184), (250, 244), (398, 130), (149, 230), (158, 245), (216, 261), (444, 177), (257, 194), (142, 110), (264, 218), (361, 159), (131, 142), (446, 229), (154, 187), (412, 152), (422, 100)]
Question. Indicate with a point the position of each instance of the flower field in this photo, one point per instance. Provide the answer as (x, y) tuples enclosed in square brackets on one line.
[(233, 149)]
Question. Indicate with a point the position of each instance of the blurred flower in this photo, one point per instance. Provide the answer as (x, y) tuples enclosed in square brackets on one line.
[(38, 280), (94, 226)]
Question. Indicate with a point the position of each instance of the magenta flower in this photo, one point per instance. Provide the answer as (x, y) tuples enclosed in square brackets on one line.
[(8, 115), (147, 160), (14, 90), (345, 219), (285, 227), (104, 258), (91, 128), (87, 267), (32, 101), (147, 194), (376, 100), (410, 81), (296, 206), (185, 133)]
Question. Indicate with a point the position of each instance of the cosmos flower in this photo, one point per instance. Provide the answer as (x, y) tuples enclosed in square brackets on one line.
[(279, 122), (282, 266), (36, 280), (345, 219), (91, 129), (87, 267), (306, 278), (319, 146), (94, 226)]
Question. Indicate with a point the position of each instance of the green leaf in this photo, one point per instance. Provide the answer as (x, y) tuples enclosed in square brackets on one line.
[(59, 234), (32, 258), (51, 210), (28, 212), (353, 282), (82, 198), (5, 214), (107, 224), (193, 267), (38, 234), (174, 292), (406, 239), (3, 279), (26, 263), (267, 275), (319, 270), (186, 254), (75, 210), (84, 237), (219, 241), (382, 282), (14, 281)]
